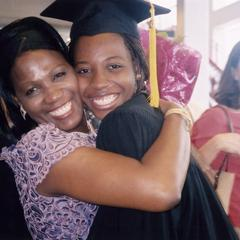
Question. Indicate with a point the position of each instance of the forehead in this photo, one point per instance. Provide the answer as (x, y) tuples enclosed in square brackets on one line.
[(37, 58), (39, 55), (111, 42), (36, 64)]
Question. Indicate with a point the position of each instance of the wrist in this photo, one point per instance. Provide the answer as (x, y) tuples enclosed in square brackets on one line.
[(183, 113)]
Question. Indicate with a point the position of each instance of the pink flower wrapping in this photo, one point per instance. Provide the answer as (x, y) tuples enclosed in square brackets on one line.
[(177, 68)]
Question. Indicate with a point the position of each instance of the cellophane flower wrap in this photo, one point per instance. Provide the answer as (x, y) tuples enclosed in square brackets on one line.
[(177, 68)]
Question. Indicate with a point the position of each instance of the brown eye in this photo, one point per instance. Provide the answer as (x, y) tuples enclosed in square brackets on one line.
[(82, 71), (114, 66), (31, 91), (59, 75)]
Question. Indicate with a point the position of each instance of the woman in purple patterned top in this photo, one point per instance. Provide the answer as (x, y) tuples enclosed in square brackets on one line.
[(47, 217), (36, 77)]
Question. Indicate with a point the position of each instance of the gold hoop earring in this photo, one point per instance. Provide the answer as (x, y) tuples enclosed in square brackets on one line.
[(23, 112)]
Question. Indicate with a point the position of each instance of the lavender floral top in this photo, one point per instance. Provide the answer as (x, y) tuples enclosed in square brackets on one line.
[(31, 158)]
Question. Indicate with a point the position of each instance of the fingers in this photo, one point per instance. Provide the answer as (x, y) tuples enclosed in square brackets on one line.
[(166, 105)]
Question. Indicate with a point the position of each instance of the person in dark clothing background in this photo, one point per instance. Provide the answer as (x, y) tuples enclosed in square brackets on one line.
[(12, 222)]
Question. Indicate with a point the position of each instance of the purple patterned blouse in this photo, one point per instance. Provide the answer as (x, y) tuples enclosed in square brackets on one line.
[(31, 158)]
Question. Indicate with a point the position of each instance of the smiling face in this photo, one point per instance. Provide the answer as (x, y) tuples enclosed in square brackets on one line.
[(105, 72), (47, 87)]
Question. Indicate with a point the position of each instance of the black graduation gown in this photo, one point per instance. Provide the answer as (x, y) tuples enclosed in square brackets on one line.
[(130, 130)]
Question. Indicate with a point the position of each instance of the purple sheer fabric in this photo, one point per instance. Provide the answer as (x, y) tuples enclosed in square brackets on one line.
[(30, 159)]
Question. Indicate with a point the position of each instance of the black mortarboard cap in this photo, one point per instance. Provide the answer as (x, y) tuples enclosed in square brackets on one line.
[(91, 17)]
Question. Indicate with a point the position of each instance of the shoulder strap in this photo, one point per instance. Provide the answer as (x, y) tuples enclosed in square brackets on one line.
[(224, 164), (229, 121)]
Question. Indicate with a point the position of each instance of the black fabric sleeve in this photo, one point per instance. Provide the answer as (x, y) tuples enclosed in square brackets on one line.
[(129, 132)]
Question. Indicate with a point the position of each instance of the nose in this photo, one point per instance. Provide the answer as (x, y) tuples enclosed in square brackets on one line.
[(53, 95), (99, 80)]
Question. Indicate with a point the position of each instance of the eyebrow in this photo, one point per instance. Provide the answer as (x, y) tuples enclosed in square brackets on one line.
[(107, 59)]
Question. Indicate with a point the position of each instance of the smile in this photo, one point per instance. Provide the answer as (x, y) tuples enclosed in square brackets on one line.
[(105, 100), (63, 110)]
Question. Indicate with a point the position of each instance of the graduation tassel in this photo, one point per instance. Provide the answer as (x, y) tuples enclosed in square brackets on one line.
[(154, 95)]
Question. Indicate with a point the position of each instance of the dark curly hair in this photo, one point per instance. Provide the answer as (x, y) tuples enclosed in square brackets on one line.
[(228, 92)]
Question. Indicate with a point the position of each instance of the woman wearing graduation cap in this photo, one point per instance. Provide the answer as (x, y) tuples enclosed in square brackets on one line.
[(106, 53), (56, 167)]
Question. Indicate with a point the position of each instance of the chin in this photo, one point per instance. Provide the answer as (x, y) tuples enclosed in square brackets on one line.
[(68, 127)]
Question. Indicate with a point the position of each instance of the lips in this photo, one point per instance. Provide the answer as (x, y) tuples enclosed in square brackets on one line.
[(104, 100), (62, 111)]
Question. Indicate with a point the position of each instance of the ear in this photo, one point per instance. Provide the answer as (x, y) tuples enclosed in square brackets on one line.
[(138, 76), (138, 73)]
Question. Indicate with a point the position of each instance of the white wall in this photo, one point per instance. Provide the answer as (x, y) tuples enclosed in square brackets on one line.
[(11, 10), (193, 27)]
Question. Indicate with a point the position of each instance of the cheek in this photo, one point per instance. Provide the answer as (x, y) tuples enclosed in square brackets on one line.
[(83, 84), (74, 94), (35, 111), (130, 85), (31, 106), (34, 107)]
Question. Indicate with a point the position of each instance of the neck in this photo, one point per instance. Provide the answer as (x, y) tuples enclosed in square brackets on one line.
[(83, 125)]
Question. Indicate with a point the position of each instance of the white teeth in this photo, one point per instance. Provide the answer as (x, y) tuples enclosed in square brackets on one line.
[(105, 100), (62, 110)]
